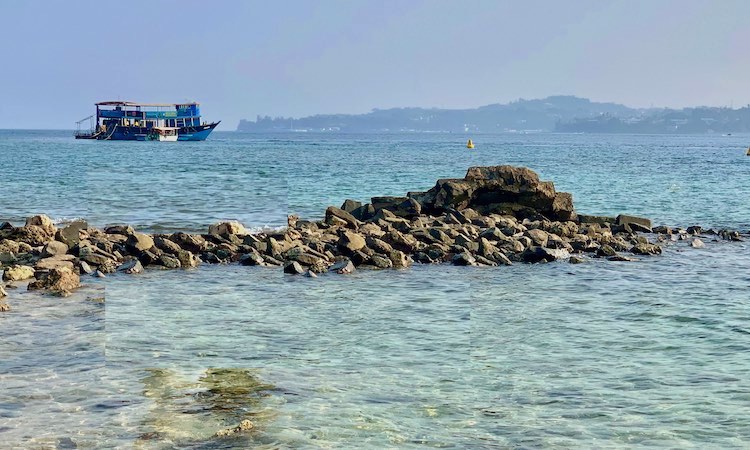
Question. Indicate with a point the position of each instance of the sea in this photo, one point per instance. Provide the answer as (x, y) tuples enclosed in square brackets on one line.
[(653, 353)]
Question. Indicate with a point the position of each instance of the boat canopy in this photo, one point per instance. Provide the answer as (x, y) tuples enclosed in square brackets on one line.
[(162, 105)]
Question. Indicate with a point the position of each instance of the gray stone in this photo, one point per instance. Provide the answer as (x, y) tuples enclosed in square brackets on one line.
[(337, 213), (623, 219), (131, 266), (54, 248), (574, 259), (697, 243), (350, 242), (463, 259), (70, 234), (294, 268), (140, 242), (343, 266)]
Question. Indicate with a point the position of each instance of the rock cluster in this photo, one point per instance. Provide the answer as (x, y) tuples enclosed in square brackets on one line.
[(493, 216)]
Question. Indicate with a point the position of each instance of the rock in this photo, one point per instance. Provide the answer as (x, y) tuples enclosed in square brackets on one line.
[(70, 234), (378, 245), (399, 259), (54, 248), (621, 258), (574, 259), (2, 292), (125, 230), (190, 242), (350, 242), (662, 229), (9, 246), (601, 220), (43, 222), (294, 268), (350, 205), (187, 259), (543, 254), (231, 227), (399, 206), (98, 274), (7, 258), (56, 262), (166, 245), (606, 251), (131, 266), (96, 259), (139, 242), (4, 307), (18, 273), (538, 237), (33, 235), (646, 249), (348, 220), (343, 266), (291, 220), (168, 261), (697, 243), (310, 274), (57, 280), (695, 229), (85, 268), (381, 262), (245, 425), (625, 219), (463, 259)]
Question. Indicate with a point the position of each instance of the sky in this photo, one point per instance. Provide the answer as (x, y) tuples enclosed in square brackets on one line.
[(291, 58)]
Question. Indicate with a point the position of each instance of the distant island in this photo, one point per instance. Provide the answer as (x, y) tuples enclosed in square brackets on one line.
[(561, 113)]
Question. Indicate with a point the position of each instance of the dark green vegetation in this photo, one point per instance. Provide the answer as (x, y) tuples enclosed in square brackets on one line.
[(557, 113)]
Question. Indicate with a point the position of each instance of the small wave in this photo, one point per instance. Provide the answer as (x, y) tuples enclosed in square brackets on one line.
[(64, 220)]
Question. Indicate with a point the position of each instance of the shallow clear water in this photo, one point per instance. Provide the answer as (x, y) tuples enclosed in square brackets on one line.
[(600, 355)]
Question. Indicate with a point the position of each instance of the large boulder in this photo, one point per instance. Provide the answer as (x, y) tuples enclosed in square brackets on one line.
[(140, 242), (399, 206), (499, 189), (60, 280), (54, 248), (43, 222), (335, 216)]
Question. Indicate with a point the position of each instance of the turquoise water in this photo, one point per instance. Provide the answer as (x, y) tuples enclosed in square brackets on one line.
[(650, 354)]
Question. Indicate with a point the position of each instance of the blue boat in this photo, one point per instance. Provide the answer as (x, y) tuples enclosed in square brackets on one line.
[(128, 121)]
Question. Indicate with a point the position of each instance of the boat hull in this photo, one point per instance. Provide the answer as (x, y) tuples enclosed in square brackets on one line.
[(192, 133)]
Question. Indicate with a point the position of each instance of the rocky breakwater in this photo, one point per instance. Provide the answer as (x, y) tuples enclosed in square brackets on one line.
[(493, 216)]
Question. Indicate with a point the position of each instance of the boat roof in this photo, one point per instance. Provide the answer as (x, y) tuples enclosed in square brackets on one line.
[(121, 103), (166, 128)]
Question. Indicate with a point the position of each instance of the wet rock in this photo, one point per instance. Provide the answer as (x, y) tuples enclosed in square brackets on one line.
[(70, 234), (187, 259), (231, 227), (662, 229), (463, 259), (169, 261), (697, 243), (7, 258), (131, 266), (606, 251), (18, 273), (2, 292), (4, 307), (621, 258), (344, 266), (54, 248), (61, 280), (84, 267), (399, 259), (399, 206), (294, 268), (543, 254), (97, 259), (381, 262), (310, 274), (98, 274), (245, 425), (538, 237), (600, 220), (575, 259), (646, 249)]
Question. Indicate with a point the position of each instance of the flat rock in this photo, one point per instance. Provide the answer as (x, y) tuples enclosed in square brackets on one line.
[(54, 248)]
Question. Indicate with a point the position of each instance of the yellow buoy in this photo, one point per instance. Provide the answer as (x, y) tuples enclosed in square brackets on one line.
[(471, 145)]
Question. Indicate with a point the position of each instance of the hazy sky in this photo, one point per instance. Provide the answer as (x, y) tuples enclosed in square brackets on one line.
[(296, 58)]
